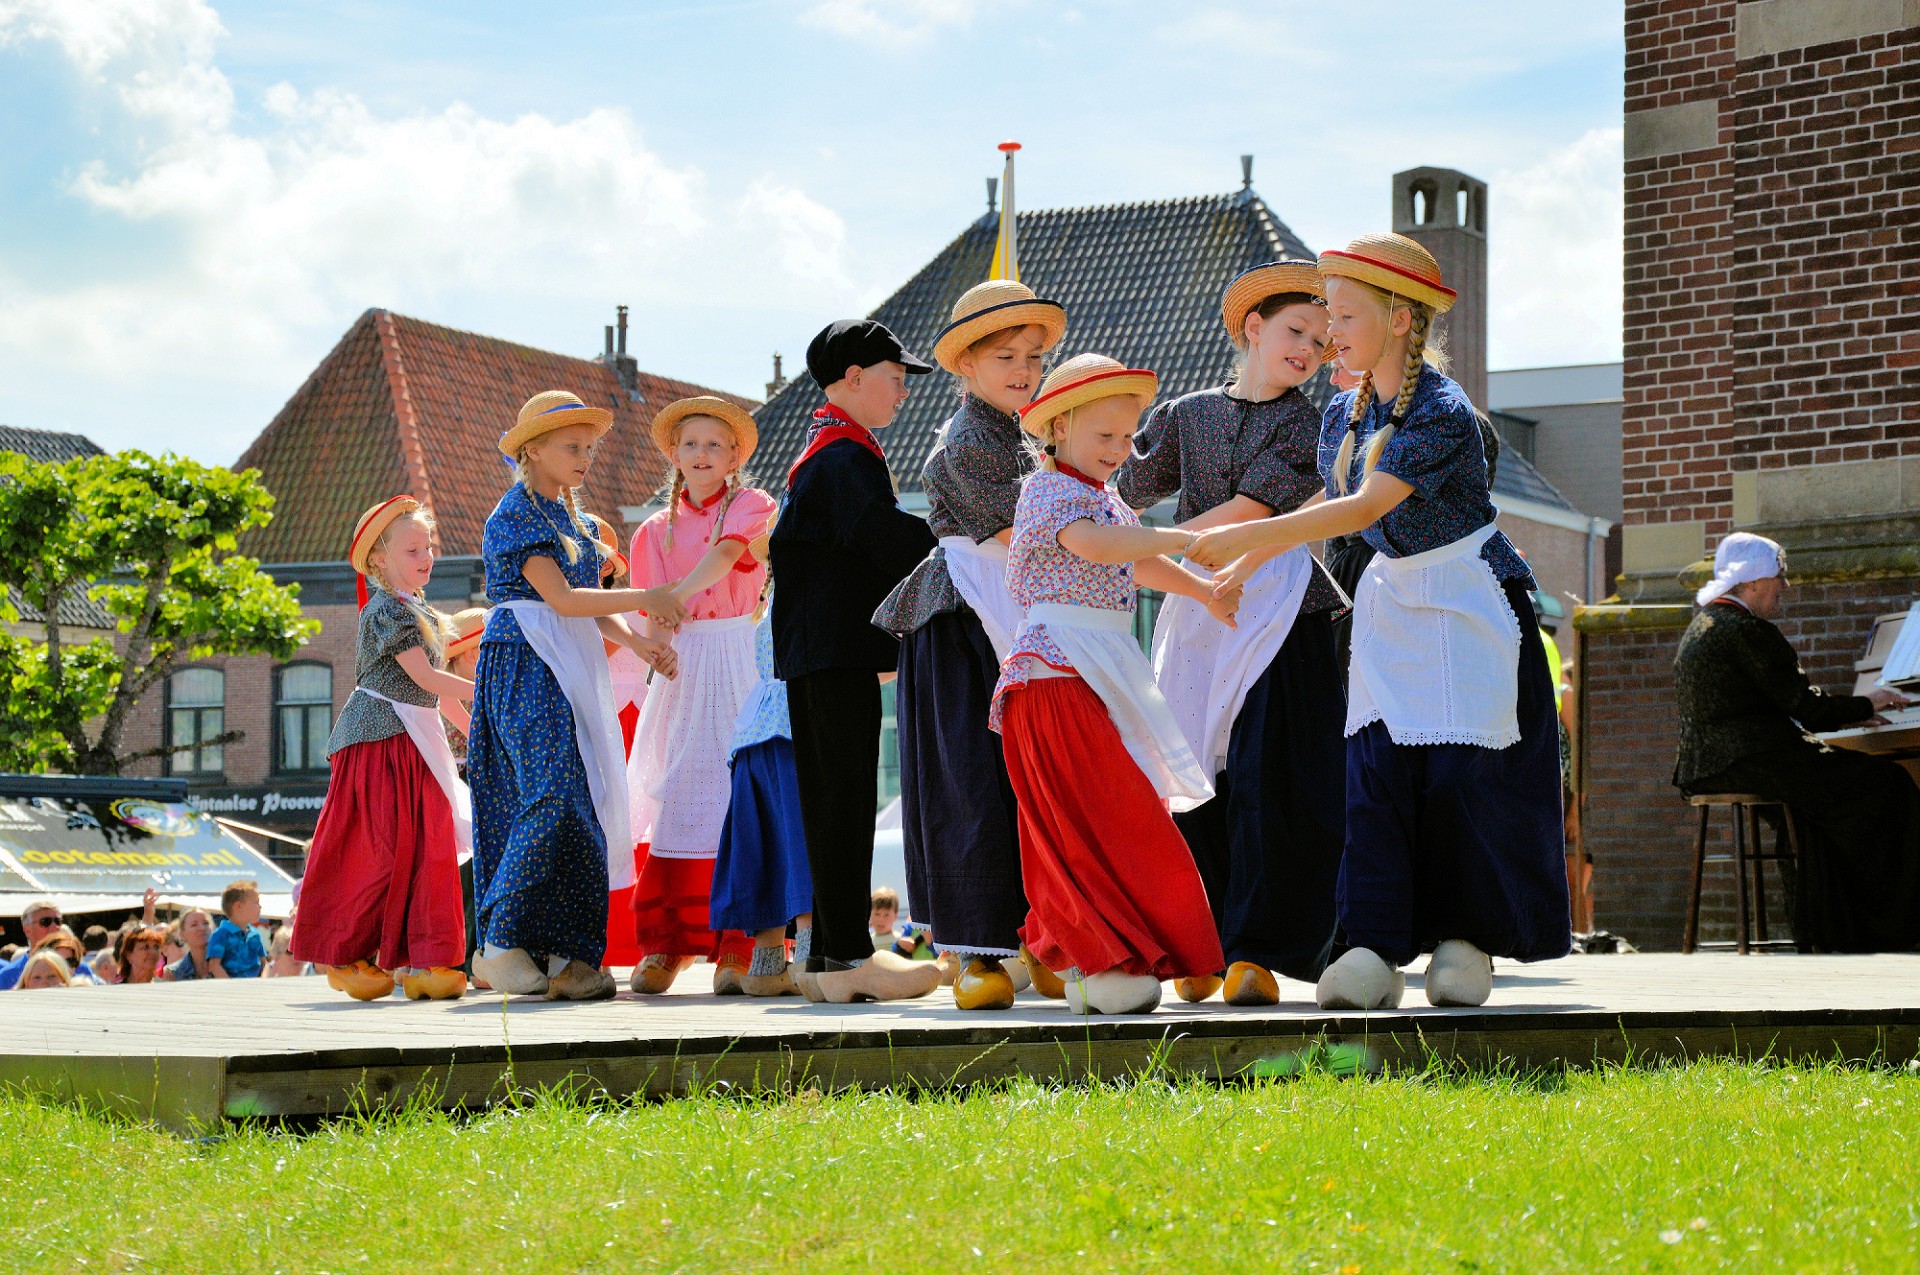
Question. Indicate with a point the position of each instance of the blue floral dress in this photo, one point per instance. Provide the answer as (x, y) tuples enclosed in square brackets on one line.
[(539, 856)]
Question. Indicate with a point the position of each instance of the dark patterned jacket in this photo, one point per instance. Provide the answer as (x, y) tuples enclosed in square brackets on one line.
[(1742, 693)]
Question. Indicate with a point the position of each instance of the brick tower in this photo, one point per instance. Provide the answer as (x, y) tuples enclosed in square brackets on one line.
[(1446, 212)]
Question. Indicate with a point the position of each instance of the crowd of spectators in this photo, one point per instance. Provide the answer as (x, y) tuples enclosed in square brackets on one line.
[(194, 944)]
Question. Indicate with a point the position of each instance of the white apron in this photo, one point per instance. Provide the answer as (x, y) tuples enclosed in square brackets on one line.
[(1205, 669), (573, 651), (1436, 649), (979, 572), (1100, 645), (677, 779), (429, 735), (628, 675)]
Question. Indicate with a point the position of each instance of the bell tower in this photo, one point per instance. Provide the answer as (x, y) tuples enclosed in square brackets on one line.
[(1445, 211)]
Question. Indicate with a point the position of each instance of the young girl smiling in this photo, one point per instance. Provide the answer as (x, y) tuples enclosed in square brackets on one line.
[(1261, 705), (1453, 840), (1093, 752), (698, 549), (382, 889), (956, 621), (545, 756)]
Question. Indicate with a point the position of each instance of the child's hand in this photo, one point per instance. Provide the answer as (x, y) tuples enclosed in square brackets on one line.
[(660, 656), (1216, 547), (1233, 581), (664, 608), (1224, 607)]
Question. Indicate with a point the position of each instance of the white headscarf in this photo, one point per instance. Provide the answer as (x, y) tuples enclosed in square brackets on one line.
[(1741, 557)]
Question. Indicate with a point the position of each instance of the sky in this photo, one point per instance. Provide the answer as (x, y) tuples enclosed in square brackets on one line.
[(197, 199)]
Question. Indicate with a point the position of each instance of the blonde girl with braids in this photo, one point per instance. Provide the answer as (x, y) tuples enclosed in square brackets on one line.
[(700, 549), (545, 758), (382, 893), (1453, 840)]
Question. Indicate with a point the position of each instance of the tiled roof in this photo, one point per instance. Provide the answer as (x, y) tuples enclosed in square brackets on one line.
[(1141, 282), (48, 448), (404, 405), (1514, 475)]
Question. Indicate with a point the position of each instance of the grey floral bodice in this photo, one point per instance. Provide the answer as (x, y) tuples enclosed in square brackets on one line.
[(387, 629)]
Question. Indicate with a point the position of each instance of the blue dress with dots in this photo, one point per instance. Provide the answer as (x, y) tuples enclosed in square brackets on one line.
[(539, 856)]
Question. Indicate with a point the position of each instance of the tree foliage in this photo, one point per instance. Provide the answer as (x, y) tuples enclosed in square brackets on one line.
[(152, 540)]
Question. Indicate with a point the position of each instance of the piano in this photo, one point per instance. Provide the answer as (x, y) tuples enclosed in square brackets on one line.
[(1899, 739)]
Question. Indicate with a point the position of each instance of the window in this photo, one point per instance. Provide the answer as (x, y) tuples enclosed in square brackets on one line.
[(196, 713), (302, 717)]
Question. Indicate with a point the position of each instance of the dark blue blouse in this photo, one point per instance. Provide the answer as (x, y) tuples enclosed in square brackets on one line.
[(527, 525), (1437, 452)]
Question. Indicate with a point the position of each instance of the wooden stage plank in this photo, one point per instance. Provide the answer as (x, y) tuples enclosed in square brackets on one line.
[(191, 1054)]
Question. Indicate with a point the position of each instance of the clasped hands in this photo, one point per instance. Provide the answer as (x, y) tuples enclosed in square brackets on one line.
[(1233, 552)]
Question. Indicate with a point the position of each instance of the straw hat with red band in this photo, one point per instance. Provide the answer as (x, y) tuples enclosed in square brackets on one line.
[(469, 626), (995, 306), (1083, 379), (367, 532), (550, 410), (1391, 263), (1248, 289), (746, 434)]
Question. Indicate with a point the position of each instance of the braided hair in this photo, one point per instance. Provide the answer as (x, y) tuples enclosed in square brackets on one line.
[(1363, 395)]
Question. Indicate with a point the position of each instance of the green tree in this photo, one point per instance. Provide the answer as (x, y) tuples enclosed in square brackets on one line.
[(152, 539)]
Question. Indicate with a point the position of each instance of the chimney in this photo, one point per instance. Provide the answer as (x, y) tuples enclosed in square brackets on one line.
[(779, 381), (1445, 211), (1246, 172), (993, 195), (616, 354)]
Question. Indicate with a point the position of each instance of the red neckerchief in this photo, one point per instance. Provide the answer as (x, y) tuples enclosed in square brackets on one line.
[(686, 494), (1071, 472), (843, 426)]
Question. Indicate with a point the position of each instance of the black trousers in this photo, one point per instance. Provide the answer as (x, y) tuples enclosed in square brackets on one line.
[(836, 755)]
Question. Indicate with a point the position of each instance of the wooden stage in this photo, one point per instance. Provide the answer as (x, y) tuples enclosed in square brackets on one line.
[(189, 1055)]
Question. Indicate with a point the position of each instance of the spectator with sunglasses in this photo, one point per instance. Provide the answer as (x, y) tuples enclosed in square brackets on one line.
[(41, 918)]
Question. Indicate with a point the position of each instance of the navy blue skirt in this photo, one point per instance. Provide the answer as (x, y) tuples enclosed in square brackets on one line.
[(1456, 841), (957, 817), (1268, 845), (539, 855), (761, 879)]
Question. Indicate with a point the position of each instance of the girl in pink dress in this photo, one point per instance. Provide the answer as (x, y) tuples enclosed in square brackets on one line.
[(677, 773)]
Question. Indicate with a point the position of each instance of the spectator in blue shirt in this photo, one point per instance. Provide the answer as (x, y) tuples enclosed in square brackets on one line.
[(41, 918), (234, 950)]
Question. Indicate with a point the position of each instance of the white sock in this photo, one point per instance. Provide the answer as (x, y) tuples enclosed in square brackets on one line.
[(493, 951)]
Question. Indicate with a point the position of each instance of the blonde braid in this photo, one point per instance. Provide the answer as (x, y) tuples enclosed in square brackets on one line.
[(1343, 458), (1409, 382), (673, 503), (574, 519), (734, 484)]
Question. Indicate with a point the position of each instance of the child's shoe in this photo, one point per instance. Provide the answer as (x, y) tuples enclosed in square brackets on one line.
[(512, 972), (727, 974), (1361, 980), (580, 981), (1045, 981), (1458, 973), (365, 981), (655, 973), (1197, 988), (1016, 972), (1113, 992), (885, 976), (1250, 984), (983, 985), (440, 983)]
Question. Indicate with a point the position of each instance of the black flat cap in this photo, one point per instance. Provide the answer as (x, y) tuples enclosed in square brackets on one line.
[(849, 343)]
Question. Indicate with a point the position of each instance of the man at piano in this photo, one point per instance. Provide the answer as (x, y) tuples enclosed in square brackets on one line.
[(1746, 710)]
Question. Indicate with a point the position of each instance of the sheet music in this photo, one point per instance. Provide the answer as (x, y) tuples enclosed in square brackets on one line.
[(1903, 661)]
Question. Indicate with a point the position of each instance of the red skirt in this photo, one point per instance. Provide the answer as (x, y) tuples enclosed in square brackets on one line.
[(670, 911), (1110, 882), (383, 873)]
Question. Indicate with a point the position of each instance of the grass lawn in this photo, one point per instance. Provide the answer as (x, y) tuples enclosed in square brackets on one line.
[(1712, 1166)]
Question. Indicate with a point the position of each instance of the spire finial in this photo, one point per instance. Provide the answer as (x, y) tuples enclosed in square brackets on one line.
[(1246, 172)]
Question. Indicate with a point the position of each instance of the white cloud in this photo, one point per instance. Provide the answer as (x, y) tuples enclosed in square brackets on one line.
[(889, 22), (280, 232), (1554, 236)]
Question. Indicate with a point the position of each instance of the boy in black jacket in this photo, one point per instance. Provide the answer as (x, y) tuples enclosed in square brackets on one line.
[(839, 546)]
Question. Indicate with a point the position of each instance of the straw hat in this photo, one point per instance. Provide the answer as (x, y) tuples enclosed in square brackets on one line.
[(1392, 263), (995, 306), (1249, 288), (372, 524), (548, 411), (1081, 380), (469, 626), (746, 434)]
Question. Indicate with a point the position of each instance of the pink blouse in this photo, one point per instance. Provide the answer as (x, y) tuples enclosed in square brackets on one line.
[(655, 565)]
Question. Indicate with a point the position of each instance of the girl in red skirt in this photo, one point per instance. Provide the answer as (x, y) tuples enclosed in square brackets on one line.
[(677, 777), (1095, 755), (382, 890)]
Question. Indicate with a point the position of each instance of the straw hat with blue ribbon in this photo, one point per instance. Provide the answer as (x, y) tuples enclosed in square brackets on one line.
[(548, 411)]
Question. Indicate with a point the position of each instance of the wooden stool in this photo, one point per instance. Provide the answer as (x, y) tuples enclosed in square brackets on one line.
[(1746, 850)]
